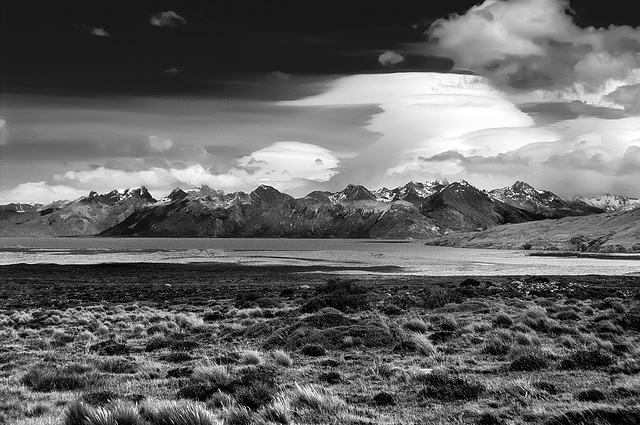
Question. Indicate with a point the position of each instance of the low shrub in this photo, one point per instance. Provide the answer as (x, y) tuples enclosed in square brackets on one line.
[(422, 344), (251, 357), (498, 344), (416, 325), (118, 366), (313, 350), (591, 394), (332, 377), (586, 359), (529, 360), (444, 386), (281, 358), (502, 320), (70, 378)]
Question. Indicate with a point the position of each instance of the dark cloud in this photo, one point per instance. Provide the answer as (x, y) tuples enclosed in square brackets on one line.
[(628, 97), (546, 113)]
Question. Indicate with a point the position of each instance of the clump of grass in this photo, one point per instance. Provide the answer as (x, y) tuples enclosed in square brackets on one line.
[(498, 344), (281, 358), (118, 365), (117, 413), (442, 385), (586, 359), (591, 394), (251, 357), (217, 375), (278, 411), (313, 350), (422, 344), (69, 378), (536, 318), (502, 320), (316, 398), (177, 413), (416, 325), (236, 415), (188, 321), (529, 360)]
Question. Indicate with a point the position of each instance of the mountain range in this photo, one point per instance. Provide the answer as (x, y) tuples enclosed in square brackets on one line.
[(444, 213)]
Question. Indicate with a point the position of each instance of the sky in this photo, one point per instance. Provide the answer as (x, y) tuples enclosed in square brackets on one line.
[(104, 95)]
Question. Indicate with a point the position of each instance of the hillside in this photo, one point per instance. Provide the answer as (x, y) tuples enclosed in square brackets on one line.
[(609, 232)]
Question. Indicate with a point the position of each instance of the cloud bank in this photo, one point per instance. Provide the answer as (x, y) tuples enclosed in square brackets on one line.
[(284, 165), (534, 46)]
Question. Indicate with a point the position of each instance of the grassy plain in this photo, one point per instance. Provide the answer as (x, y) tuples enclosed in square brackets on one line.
[(216, 344)]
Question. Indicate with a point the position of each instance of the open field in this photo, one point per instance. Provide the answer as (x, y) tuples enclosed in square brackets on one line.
[(213, 343)]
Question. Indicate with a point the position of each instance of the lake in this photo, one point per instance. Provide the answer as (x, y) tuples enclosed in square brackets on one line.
[(410, 257)]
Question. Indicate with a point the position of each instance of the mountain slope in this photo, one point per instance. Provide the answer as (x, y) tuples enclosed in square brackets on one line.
[(541, 202), (88, 215), (608, 232), (267, 212), (610, 203), (462, 207)]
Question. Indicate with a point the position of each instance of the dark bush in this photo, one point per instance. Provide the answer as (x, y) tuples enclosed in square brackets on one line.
[(332, 377), (567, 315), (384, 399), (313, 350), (118, 366), (179, 372), (176, 357), (268, 302), (592, 394), (586, 360), (447, 387), (502, 320), (343, 295), (48, 379), (99, 398), (528, 361), (110, 348), (212, 316), (391, 310), (198, 391), (489, 418), (470, 282)]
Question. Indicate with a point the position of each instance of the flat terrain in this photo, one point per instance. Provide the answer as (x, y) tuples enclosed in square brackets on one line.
[(215, 343)]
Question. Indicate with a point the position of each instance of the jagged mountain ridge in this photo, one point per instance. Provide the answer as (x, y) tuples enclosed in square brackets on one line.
[(415, 210), (542, 202), (611, 203), (88, 215)]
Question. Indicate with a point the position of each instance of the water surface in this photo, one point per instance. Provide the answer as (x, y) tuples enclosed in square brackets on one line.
[(410, 257)]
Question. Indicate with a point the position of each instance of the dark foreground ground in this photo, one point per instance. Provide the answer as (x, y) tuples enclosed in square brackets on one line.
[(207, 344)]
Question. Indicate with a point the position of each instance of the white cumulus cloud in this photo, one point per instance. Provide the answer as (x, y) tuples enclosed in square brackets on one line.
[(534, 46)]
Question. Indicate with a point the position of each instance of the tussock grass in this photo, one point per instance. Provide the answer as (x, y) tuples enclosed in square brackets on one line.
[(281, 358), (422, 343), (315, 398)]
